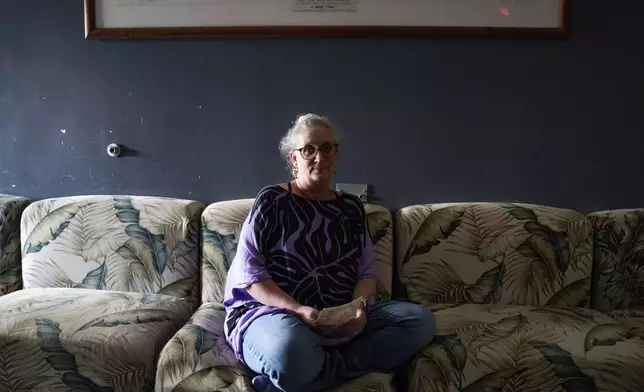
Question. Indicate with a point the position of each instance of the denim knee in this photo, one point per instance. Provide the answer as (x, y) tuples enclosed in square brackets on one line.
[(298, 363), (427, 324), (421, 326), (284, 349)]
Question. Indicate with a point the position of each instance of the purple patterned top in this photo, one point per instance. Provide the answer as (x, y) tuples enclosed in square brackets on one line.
[(316, 251)]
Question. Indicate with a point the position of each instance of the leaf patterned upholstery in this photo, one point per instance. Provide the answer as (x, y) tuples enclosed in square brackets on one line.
[(108, 281), (618, 276), (134, 244), (11, 208), (487, 253), (64, 339), (198, 357), (529, 348), (221, 224), (510, 286)]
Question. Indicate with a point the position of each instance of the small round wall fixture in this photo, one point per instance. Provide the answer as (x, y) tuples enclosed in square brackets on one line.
[(114, 150)]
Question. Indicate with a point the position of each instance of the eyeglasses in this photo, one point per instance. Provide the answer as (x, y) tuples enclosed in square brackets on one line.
[(309, 151)]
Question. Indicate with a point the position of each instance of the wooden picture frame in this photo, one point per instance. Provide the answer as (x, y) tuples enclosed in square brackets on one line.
[(554, 26)]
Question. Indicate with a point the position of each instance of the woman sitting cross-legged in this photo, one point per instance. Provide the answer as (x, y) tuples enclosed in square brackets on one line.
[(303, 248)]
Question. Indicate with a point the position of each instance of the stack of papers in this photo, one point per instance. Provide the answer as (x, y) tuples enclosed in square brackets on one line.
[(339, 315)]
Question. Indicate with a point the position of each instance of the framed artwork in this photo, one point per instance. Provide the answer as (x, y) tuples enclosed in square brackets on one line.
[(338, 18)]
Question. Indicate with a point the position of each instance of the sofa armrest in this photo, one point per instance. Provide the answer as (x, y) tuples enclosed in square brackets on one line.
[(198, 358), (11, 208)]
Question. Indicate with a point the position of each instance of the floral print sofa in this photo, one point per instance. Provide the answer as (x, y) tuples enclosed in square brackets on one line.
[(107, 282), (198, 357), (527, 298)]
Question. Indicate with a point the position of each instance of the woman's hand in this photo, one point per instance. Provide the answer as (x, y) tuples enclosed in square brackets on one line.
[(356, 326), (308, 314)]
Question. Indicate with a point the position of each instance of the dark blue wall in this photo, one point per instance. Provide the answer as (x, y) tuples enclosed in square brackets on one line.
[(555, 123)]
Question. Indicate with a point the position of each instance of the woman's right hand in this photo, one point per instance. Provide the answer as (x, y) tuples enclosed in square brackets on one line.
[(307, 314)]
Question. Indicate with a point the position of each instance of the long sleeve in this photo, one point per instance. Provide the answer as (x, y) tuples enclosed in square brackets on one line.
[(367, 266), (249, 265)]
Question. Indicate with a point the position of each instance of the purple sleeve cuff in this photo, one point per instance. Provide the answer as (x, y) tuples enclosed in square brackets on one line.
[(371, 301), (368, 275)]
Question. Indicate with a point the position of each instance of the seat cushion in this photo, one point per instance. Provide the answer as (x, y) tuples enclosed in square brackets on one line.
[(381, 382), (60, 339), (526, 348)]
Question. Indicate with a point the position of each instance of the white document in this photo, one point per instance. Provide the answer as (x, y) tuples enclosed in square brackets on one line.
[(339, 315)]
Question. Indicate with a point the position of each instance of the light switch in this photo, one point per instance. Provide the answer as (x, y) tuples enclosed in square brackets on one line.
[(360, 190)]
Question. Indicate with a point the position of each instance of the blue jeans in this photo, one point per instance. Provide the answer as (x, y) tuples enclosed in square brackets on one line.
[(286, 350)]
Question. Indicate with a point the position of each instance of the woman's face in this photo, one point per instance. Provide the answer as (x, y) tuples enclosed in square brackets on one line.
[(316, 154)]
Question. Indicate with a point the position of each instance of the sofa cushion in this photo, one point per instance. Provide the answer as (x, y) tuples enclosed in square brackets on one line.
[(222, 222), (59, 339), (525, 348), (618, 275), (494, 253), (198, 359), (135, 244), (381, 382), (11, 208)]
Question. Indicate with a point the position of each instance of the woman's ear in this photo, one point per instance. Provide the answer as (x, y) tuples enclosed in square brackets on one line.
[(293, 161)]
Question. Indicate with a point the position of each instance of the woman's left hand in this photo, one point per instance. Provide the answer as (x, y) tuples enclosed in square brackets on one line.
[(356, 326)]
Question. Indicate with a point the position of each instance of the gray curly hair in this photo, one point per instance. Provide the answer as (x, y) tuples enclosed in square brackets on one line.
[(289, 141)]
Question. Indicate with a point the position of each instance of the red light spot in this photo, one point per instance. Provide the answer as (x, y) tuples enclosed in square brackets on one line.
[(504, 11)]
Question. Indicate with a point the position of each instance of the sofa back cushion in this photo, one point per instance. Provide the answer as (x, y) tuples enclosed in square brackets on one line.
[(493, 253), (122, 243), (222, 223), (618, 273), (11, 208)]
